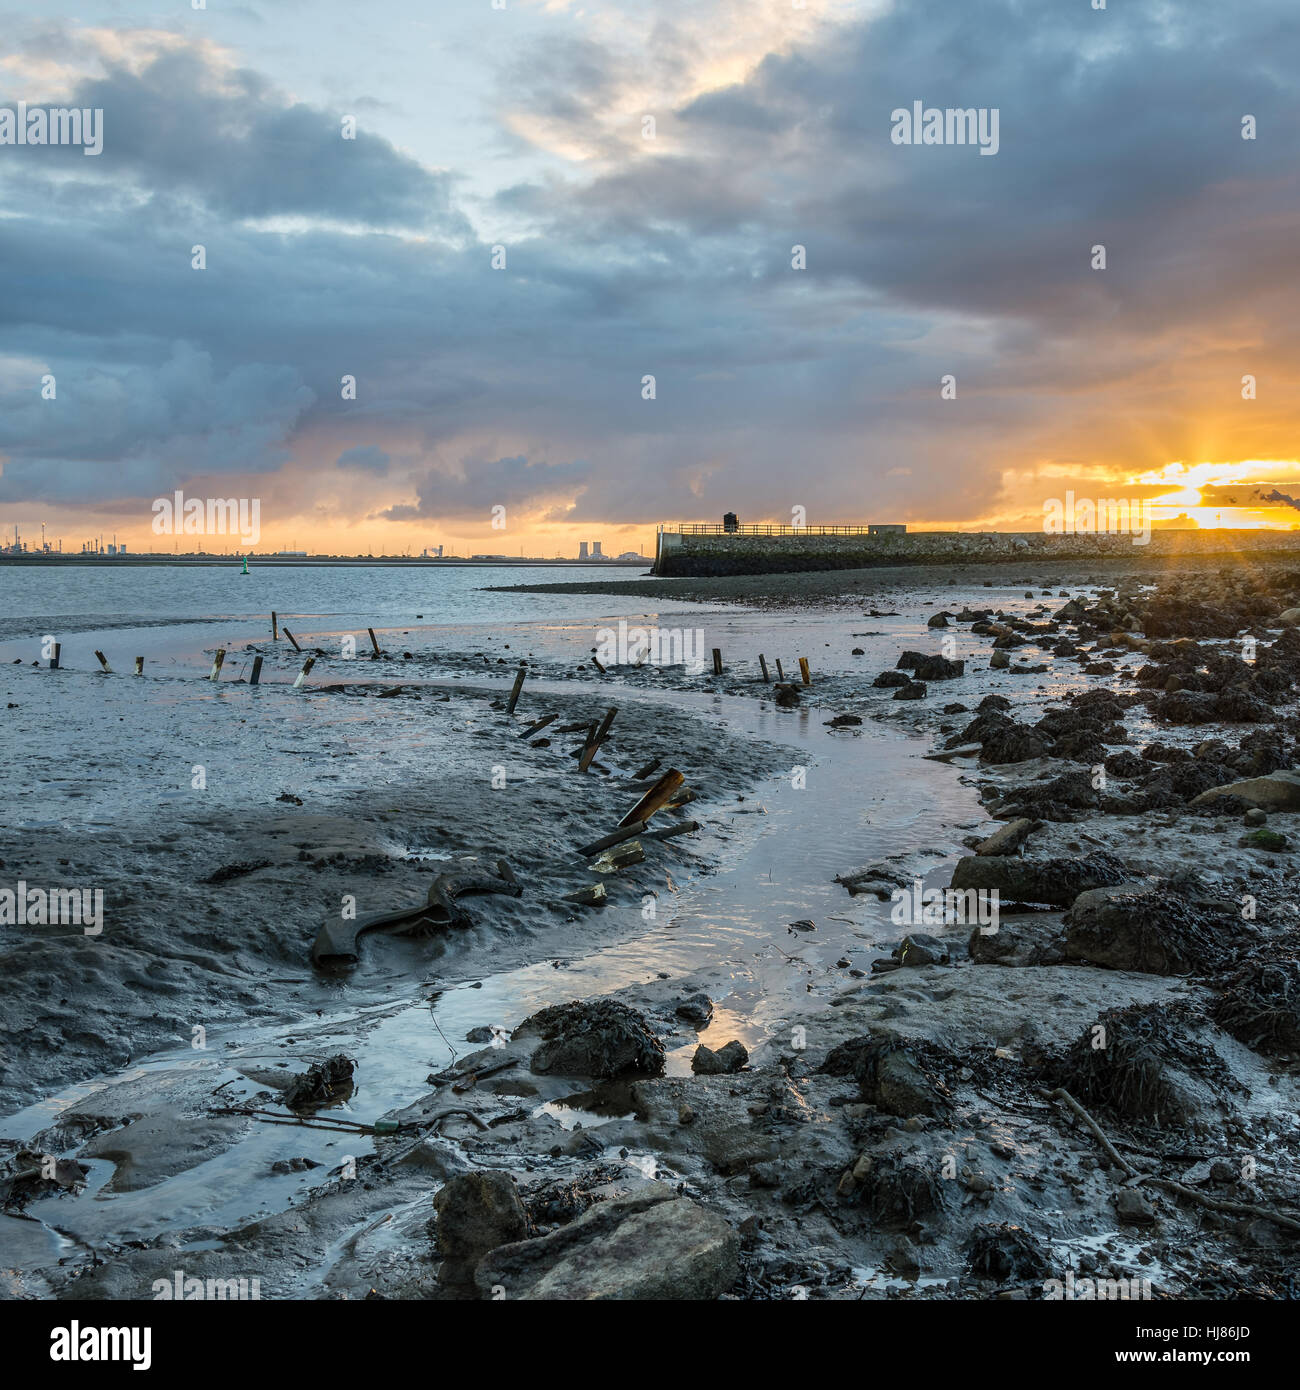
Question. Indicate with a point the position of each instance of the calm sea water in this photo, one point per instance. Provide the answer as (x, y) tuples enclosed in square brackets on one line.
[(378, 594)]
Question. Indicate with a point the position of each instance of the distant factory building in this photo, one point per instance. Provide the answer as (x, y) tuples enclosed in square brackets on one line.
[(582, 550)]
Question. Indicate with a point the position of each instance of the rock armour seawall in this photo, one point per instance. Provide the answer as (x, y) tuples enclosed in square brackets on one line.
[(721, 554)]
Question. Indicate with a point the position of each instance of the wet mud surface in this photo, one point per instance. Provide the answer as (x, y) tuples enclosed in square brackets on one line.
[(791, 1074)]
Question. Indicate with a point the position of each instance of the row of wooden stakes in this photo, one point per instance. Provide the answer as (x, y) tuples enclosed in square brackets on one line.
[(215, 674), (805, 670)]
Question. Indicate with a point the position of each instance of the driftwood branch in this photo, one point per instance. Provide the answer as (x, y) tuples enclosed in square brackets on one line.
[(1166, 1184)]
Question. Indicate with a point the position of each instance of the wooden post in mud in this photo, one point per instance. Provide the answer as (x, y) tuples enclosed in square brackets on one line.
[(306, 667), (762, 661), (292, 639), (804, 671), (644, 772), (216, 663), (373, 643), (686, 827), (538, 726), (629, 832), (780, 670), (662, 792), (516, 688), (717, 661), (103, 661), (257, 671), (54, 656), (597, 665), (139, 666), (275, 631), (596, 739)]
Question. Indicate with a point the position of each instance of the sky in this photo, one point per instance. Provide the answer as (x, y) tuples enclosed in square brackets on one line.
[(596, 267)]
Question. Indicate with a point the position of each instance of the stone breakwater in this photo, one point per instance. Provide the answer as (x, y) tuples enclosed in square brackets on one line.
[(683, 554)]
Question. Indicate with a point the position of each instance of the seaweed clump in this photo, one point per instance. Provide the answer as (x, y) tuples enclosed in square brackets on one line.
[(1260, 1005)]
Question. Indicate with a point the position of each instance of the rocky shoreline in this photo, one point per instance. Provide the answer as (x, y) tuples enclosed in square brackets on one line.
[(1096, 1099)]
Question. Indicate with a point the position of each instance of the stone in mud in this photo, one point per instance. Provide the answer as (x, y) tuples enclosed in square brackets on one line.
[(1010, 838), (697, 1010), (1134, 1208), (651, 1245), (1022, 942), (725, 1060), (913, 690), (1290, 618), (477, 1212), (999, 661), (1279, 791), (599, 1038), (1150, 929), (921, 948), (785, 696), (887, 680), (1013, 743), (894, 1081), (843, 721), (939, 620), (1057, 882)]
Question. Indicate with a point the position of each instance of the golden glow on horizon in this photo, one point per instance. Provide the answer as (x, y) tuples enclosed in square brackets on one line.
[(1175, 494)]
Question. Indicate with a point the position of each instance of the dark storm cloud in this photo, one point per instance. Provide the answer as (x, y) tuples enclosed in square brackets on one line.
[(774, 386), (485, 483), (228, 140)]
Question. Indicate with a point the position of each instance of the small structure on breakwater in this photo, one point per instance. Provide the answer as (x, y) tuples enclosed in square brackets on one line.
[(713, 548)]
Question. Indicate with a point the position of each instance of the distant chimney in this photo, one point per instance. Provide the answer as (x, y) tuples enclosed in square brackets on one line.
[(582, 550)]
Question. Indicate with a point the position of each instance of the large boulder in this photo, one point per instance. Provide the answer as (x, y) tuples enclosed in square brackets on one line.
[(1279, 791), (649, 1245), (1054, 881), (600, 1038)]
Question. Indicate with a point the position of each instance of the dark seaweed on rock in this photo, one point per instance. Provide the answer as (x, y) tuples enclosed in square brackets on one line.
[(1155, 933), (1141, 1071), (1260, 1005), (1002, 1252), (902, 1189), (599, 1038)]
